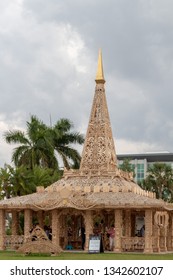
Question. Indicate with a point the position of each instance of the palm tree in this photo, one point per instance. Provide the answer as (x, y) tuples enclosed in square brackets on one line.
[(63, 138), (38, 146), (35, 146), (160, 181)]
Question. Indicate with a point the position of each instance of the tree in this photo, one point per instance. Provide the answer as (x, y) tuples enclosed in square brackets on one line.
[(34, 146), (38, 146), (160, 181), (35, 157), (45, 177), (127, 166), (5, 182), (22, 180), (63, 138)]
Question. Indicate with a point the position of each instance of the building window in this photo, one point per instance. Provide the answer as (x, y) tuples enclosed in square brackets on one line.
[(140, 172)]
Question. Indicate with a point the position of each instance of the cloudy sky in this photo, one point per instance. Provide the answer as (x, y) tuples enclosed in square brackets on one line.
[(48, 61)]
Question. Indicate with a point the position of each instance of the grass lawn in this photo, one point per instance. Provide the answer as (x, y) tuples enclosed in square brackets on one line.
[(11, 255)]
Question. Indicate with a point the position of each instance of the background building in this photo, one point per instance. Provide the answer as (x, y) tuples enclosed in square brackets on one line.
[(141, 162)]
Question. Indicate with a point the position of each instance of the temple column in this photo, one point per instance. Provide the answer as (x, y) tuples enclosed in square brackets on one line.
[(27, 223), (55, 227), (40, 218), (170, 236), (2, 229), (88, 227), (118, 230), (171, 245), (127, 225), (148, 231), (15, 223)]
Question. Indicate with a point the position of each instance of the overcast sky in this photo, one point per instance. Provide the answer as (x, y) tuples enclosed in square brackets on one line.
[(48, 61)]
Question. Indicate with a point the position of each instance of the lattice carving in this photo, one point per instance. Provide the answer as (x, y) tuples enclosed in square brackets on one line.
[(161, 219), (118, 230), (40, 246), (14, 241), (88, 226), (38, 233), (99, 151), (2, 229), (148, 231), (15, 222), (38, 242), (65, 198), (27, 222)]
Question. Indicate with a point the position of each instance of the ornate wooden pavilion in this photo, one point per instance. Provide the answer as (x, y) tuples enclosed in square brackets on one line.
[(96, 196)]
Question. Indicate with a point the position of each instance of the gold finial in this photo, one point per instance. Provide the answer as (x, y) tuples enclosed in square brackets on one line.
[(100, 74)]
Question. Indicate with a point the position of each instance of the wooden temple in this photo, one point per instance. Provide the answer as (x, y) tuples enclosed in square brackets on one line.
[(95, 196)]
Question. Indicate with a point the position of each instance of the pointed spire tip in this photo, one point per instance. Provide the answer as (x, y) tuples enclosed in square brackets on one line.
[(100, 74)]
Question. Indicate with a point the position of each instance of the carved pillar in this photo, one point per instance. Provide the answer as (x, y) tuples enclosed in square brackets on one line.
[(15, 223), (171, 219), (2, 229), (148, 231), (88, 227), (155, 234), (118, 230), (165, 238), (64, 234), (171, 232), (27, 222), (55, 227), (127, 223), (40, 218)]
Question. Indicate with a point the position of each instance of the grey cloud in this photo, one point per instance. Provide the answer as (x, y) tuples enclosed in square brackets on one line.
[(48, 56)]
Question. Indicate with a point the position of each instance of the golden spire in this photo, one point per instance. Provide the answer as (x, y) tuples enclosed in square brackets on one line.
[(100, 74), (99, 151)]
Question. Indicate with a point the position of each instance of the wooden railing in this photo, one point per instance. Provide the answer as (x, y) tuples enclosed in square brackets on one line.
[(127, 243), (162, 244), (159, 244), (13, 241), (132, 243)]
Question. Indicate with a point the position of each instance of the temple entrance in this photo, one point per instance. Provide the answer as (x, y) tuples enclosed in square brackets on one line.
[(72, 229), (102, 221)]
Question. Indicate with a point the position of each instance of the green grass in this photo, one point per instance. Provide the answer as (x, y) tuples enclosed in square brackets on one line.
[(11, 255)]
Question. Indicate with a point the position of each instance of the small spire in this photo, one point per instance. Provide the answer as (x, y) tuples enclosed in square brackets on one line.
[(100, 74)]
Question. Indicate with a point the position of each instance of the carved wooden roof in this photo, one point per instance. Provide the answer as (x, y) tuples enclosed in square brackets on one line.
[(67, 198)]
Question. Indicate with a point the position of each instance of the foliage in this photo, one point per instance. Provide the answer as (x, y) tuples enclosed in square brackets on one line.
[(38, 146), (127, 166), (36, 156), (22, 180), (63, 138), (160, 181), (34, 147), (5, 182)]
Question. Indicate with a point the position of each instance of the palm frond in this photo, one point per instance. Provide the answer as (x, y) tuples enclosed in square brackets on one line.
[(16, 137)]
